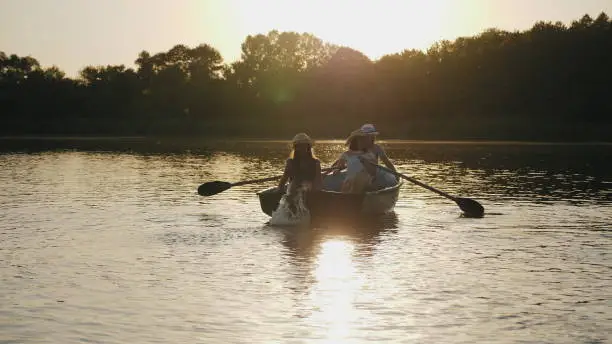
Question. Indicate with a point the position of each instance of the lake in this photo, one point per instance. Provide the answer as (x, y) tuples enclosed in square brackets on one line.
[(117, 247)]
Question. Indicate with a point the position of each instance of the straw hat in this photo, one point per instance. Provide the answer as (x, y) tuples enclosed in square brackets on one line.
[(354, 134), (302, 138)]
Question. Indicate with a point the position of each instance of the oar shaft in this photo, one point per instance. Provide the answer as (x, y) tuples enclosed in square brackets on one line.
[(254, 181), (261, 180), (410, 179)]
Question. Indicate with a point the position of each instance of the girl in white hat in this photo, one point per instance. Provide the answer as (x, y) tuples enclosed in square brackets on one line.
[(381, 178), (369, 131)]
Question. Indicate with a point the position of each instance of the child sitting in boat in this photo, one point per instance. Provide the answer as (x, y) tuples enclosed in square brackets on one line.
[(303, 172), (358, 177)]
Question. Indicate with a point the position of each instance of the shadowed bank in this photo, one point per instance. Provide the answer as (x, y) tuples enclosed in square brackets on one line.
[(545, 83)]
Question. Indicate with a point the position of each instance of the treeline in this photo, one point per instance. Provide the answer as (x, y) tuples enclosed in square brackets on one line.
[(549, 82)]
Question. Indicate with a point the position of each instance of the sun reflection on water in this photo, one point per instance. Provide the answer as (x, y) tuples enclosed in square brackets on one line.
[(337, 285)]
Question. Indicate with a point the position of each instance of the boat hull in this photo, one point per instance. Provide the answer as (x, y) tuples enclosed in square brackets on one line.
[(332, 203)]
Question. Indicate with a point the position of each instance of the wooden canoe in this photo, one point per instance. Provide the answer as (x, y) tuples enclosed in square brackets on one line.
[(329, 202)]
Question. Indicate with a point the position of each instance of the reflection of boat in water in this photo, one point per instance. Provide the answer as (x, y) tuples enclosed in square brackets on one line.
[(367, 232), (321, 264), (330, 202)]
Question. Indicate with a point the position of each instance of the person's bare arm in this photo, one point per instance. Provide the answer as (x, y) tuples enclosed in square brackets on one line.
[(385, 160), (337, 166)]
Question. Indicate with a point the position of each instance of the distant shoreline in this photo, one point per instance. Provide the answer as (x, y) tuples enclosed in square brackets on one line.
[(166, 139)]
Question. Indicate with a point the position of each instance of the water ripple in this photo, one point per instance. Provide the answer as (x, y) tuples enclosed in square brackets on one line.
[(110, 247)]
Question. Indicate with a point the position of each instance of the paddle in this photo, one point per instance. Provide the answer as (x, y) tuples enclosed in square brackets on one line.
[(213, 188), (470, 207)]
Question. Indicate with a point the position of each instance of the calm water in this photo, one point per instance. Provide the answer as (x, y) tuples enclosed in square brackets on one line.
[(107, 247)]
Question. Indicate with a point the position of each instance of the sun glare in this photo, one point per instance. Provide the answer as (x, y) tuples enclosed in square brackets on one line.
[(375, 28), (337, 286)]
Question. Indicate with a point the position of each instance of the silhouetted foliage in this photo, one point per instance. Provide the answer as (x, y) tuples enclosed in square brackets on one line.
[(549, 82)]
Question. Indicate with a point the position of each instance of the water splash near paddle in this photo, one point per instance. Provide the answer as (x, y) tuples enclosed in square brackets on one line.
[(288, 215)]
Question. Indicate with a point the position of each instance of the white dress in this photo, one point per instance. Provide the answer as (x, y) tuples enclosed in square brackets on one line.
[(357, 179), (353, 164)]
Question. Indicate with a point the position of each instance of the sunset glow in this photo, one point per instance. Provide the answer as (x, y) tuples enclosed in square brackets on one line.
[(72, 34), (375, 28)]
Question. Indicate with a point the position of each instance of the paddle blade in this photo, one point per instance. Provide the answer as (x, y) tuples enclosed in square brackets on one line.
[(213, 188), (470, 207)]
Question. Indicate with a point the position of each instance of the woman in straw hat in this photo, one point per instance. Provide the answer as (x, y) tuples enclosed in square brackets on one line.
[(357, 178), (302, 167), (303, 172)]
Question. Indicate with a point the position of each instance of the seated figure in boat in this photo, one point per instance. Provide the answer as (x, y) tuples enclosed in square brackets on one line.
[(358, 177), (303, 172), (380, 178)]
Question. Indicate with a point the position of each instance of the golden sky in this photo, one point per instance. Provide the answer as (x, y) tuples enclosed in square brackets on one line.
[(74, 33)]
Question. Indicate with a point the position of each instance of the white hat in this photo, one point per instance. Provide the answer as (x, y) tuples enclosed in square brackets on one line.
[(368, 129)]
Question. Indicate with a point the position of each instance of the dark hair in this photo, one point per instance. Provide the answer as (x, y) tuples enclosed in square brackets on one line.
[(297, 155), (297, 159)]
